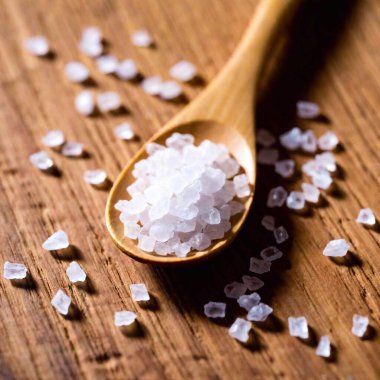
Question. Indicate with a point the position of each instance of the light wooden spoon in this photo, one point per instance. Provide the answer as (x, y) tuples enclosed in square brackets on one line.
[(223, 113)]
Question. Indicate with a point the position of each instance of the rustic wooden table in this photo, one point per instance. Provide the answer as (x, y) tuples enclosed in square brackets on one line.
[(330, 55)]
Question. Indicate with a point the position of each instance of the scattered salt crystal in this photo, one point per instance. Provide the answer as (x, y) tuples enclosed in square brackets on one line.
[(178, 141), (252, 283), (296, 200), (170, 90), (240, 330), (14, 271), (285, 168), (292, 139), (326, 160), (72, 149), (268, 222), (366, 216), (61, 302), (241, 186), (107, 64), (108, 101), (124, 318), (75, 273), (127, 69), (265, 138), (131, 230), (235, 289), (215, 309), (280, 234), (309, 142), (277, 197), (200, 241), (139, 292), (37, 45), (307, 110), (91, 42), (41, 160), (152, 85), (183, 71), (84, 103), (359, 325), (324, 347), (322, 179), (311, 193), (91, 33), (336, 248), (259, 313), (267, 156), (146, 243), (142, 38), (259, 266), (271, 254), (312, 167), (124, 131), (76, 72), (328, 141), (298, 327), (53, 139), (59, 240), (95, 177), (249, 300)]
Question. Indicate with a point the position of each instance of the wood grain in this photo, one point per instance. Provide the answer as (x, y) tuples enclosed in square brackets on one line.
[(329, 55)]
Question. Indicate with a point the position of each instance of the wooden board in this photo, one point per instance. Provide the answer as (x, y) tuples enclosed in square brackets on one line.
[(330, 55)]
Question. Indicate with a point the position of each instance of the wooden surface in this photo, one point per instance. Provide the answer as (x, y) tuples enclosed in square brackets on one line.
[(330, 55)]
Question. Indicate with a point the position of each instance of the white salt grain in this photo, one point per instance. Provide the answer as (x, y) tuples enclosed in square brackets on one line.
[(327, 161), (170, 90), (146, 243), (152, 85), (298, 327), (183, 71), (280, 235), (308, 142), (324, 347), (61, 302), (252, 283), (259, 313), (14, 271), (53, 139), (124, 131), (336, 248), (295, 200), (127, 70), (75, 273), (107, 64), (359, 325), (322, 179), (328, 141), (265, 138), (91, 42), (267, 156), (108, 101), (72, 149), (277, 197), (271, 253), (366, 216), (58, 240), (268, 222), (249, 300), (259, 266), (307, 110), (139, 292), (142, 38), (41, 160), (84, 103), (310, 192), (124, 318), (235, 289), (76, 72), (215, 309), (285, 168), (240, 330), (95, 177), (292, 139), (241, 186), (37, 45)]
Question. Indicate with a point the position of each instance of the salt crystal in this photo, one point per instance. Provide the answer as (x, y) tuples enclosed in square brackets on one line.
[(241, 186), (142, 38), (277, 197), (53, 139), (76, 72), (307, 110), (152, 85), (359, 325), (328, 141), (182, 249), (268, 222), (308, 142), (170, 90), (324, 347), (37, 45), (296, 200), (292, 139), (61, 302), (124, 318), (107, 64), (131, 230), (271, 254), (366, 216), (285, 168), (326, 160), (229, 166), (91, 33), (139, 292), (336, 248), (235, 289), (84, 103), (72, 149), (146, 243), (215, 309), (240, 330), (178, 141), (248, 301), (14, 271), (259, 266), (265, 138), (259, 313), (124, 131), (108, 101), (312, 167), (252, 283), (212, 216), (298, 327), (95, 177), (322, 179), (59, 240), (183, 71), (200, 241), (75, 272), (127, 70), (280, 235), (267, 156), (91, 42), (212, 180), (160, 232), (311, 193), (41, 160)]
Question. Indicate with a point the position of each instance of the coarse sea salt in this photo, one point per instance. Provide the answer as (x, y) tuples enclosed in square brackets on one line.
[(72, 149), (267, 156), (259, 313), (324, 347), (142, 38), (124, 131), (41, 160), (97, 177), (366, 216), (107, 64), (127, 70), (295, 200), (215, 309), (265, 138), (53, 139), (183, 71), (235, 289), (14, 271), (307, 110), (322, 179), (328, 141), (336, 248), (91, 42), (84, 103), (61, 302), (37, 45), (298, 327), (253, 283), (277, 197), (124, 318), (170, 90), (271, 253), (139, 292), (310, 192), (292, 139), (359, 325), (152, 85), (108, 101), (75, 273), (285, 168), (280, 234), (309, 142), (268, 222), (58, 240), (76, 72), (259, 266), (240, 330), (249, 300)]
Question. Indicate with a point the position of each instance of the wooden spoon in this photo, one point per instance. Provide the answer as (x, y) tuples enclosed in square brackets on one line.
[(223, 113)]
